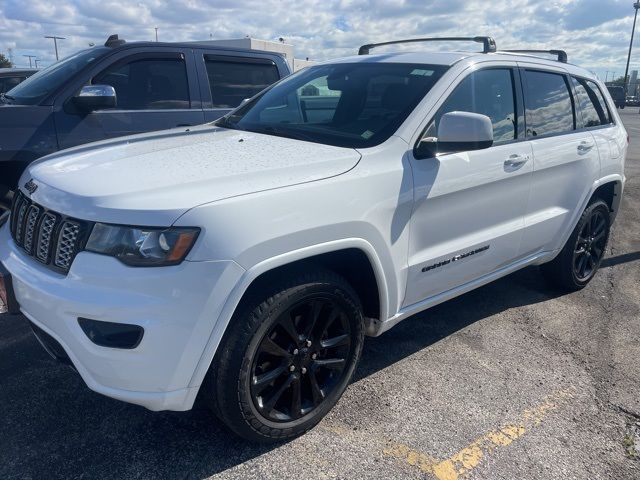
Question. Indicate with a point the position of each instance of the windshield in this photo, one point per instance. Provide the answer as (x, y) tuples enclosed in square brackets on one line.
[(355, 105), (34, 89)]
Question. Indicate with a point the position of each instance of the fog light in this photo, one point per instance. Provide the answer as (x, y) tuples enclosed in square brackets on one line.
[(110, 334)]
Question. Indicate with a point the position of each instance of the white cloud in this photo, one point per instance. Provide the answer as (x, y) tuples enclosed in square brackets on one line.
[(594, 32)]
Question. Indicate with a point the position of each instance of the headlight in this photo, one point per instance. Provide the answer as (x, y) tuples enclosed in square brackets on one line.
[(141, 246)]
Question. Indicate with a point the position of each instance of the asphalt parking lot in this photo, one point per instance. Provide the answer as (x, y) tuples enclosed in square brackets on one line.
[(509, 381)]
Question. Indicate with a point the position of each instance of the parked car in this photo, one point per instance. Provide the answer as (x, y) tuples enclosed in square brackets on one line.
[(122, 89), (10, 77), (246, 260), (632, 101), (618, 96)]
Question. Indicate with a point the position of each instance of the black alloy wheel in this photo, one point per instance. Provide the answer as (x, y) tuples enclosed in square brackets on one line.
[(579, 260), (287, 356), (301, 359), (590, 246)]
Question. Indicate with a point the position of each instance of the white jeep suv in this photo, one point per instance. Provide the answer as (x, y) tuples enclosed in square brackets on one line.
[(246, 260)]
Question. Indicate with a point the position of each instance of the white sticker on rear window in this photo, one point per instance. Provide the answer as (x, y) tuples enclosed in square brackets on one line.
[(422, 73), (367, 135)]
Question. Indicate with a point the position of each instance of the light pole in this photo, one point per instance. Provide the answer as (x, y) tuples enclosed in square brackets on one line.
[(30, 57), (636, 6), (156, 34), (55, 42), (36, 60)]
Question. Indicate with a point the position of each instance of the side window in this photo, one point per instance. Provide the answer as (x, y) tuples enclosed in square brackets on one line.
[(148, 83), (8, 83), (488, 92), (232, 81), (548, 106), (591, 109), (600, 100)]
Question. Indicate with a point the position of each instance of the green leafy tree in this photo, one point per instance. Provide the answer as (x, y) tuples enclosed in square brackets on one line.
[(5, 62)]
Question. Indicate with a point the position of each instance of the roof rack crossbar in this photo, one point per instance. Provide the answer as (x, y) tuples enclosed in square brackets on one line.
[(489, 43), (561, 54)]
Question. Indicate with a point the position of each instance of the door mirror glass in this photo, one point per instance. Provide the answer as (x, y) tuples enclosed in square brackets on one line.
[(96, 97), (458, 132)]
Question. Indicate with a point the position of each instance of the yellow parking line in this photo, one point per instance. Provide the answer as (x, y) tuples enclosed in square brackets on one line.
[(470, 457)]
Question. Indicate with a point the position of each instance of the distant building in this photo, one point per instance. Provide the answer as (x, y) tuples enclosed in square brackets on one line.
[(633, 83), (266, 45)]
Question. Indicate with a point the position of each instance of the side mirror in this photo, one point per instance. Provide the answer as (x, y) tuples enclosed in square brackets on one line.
[(96, 97), (458, 132)]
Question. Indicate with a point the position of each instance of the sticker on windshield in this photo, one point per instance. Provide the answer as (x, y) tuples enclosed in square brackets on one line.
[(367, 135), (422, 73)]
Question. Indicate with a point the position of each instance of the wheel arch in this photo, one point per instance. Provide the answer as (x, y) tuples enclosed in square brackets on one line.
[(610, 191), (328, 255)]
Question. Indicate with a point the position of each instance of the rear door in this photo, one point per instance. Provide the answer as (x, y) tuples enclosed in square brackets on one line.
[(156, 90), (566, 159), (469, 206), (228, 78)]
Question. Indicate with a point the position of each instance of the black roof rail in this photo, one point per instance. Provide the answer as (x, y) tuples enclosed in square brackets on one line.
[(114, 41), (488, 43), (561, 54)]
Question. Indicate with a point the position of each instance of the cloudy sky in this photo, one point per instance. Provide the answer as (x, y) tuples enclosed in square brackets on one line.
[(594, 32)]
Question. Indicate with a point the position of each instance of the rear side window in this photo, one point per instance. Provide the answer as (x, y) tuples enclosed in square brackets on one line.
[(148, 83), (593, 112), (488, 92), (548, 106), (231, 81), (598, 93)]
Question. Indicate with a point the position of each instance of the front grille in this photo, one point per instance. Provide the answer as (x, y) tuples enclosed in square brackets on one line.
[(49, 237)]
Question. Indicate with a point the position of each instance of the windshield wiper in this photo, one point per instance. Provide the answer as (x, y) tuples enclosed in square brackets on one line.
[(224, 122), (5, 98)]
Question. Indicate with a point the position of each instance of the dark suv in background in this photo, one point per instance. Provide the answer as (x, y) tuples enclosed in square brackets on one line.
[(10, 77), (618, 96), (123, 89)]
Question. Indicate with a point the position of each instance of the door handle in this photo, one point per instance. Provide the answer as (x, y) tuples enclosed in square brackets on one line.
[(585, 147), (515, 161)]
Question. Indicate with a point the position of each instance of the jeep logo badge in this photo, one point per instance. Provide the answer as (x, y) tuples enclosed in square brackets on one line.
[(31, 186)]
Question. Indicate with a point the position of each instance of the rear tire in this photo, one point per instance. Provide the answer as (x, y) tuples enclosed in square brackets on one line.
[(288, 355), (579, 260)]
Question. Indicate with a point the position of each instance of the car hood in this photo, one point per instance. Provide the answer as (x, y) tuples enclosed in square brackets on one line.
[(152, 179)]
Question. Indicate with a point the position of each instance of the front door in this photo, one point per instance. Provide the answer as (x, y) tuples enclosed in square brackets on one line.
[(469, 207), (155, 91)]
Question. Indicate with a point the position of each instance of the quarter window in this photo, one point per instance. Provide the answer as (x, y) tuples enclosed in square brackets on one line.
[(148, 84), (601, 101), (232, 81), (591, 110), (488, 92), (548, 105)]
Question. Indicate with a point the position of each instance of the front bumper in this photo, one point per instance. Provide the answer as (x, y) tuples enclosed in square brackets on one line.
[(177, 306)]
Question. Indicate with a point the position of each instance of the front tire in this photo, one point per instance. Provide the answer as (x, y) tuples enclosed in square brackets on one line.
[(579, 260), (288, 355)]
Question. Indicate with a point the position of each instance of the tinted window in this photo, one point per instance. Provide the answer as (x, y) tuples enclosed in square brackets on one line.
[(548, 104), (591, 110), (7, 83), (489, 92), (148, 83), (233, 81), (39, 86), (600, 100), (354, 105)]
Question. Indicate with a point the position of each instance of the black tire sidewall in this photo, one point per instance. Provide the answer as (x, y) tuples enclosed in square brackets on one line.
[(308, 291), (231, 372), (571, 244)]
